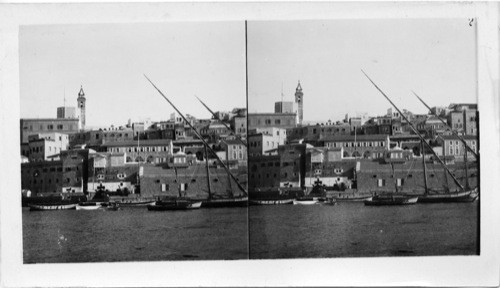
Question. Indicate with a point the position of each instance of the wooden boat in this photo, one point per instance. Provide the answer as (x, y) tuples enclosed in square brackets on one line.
[(51, 207), (351, 197), (330, 201), (132, 202), (225, 202), (305, 201), (271, 202), (466, 195), (89, 206), (174, 205), (457, 197), (391, 199)]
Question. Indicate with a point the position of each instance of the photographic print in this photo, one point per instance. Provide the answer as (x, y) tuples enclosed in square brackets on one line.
[(346, 158), (114, 169), (249, 144)]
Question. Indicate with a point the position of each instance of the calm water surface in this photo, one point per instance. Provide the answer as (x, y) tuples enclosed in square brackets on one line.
[(355, 230), (134, 234), (265, 232)]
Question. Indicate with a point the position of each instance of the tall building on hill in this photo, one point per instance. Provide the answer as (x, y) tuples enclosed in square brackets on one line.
[(300, 102), (81, 107)]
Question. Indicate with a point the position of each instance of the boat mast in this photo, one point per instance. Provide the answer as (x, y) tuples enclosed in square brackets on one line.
[(416, 132), (208, 174), (394, 177), (425, 170), (466, 170), (199, 137), (454, 132), (223, 123)]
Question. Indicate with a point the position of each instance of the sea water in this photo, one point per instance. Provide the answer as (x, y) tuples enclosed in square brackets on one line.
[(261, 232)]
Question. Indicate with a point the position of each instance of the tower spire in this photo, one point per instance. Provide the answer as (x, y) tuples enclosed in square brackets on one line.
[(81, 107), (300, 101)]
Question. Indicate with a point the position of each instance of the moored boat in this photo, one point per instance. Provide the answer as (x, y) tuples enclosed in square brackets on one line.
[(51, 207), (174, 205), (305, 201), (225, 202), (463, 196), (271, 201), (89, 206), (391, 199), (351, 197)]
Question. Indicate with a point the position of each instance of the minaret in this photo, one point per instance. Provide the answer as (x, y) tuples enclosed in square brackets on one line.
[(81, 107), (299, 100)]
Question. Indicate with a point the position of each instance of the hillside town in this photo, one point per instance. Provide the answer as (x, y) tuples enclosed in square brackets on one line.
[(139, 161), (286, 156), (361, 154)]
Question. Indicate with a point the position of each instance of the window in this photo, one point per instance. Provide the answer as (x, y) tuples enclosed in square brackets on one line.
[(381, 182), (400, 182), (59, 127)]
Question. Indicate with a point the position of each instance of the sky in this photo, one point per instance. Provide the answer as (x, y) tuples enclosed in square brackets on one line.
[(183, 59), (433, 57)]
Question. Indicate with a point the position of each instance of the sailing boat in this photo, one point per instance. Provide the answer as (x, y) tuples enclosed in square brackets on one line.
[(466, 195), (211, 201), (459, 196)]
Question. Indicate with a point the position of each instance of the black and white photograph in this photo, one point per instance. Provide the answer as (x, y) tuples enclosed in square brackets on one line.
[(249, 144), (131, 175), (365, 175)]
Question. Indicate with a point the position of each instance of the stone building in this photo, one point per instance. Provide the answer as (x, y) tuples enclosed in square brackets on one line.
[(150, 151), (262, 140), (359, 146), (452, 146), (47, 125), (69, 174), (41, 146), (265, 120), (235, 150), (408, 176)]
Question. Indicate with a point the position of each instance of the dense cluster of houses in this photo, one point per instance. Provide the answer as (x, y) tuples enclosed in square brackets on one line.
[(364, 153), (61, 155)]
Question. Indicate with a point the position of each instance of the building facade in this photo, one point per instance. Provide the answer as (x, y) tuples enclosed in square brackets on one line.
[(47, 125)]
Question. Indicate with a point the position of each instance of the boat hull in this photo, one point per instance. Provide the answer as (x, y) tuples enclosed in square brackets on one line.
[(174, 205), (305, 202), (391, 200), (89, 207), (225, 202), (49, 207), (271, 202), (457, 197), (353, 198)]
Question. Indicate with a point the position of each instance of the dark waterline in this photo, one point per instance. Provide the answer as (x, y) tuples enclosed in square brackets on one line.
[(287, 231)]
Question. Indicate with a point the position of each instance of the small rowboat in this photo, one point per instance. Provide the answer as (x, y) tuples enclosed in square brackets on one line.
[(89, 206), (305, 201)]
